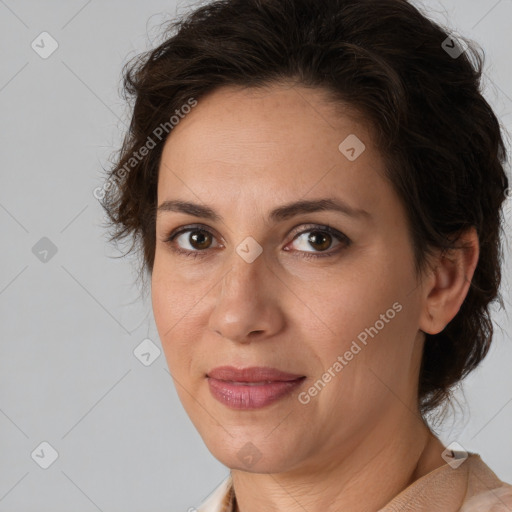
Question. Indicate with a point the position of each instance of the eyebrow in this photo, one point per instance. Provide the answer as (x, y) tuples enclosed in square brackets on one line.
[(281, 213)]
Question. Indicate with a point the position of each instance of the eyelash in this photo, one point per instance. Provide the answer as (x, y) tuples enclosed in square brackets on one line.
[(304, 254)]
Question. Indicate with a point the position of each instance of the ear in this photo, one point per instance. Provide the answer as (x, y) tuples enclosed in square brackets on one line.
[(447, 283)]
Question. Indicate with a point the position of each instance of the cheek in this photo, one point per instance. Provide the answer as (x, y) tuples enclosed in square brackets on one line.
[(171, 310), (179, 299), (174, 295), (163, 302), (356, 301), (369, 317)]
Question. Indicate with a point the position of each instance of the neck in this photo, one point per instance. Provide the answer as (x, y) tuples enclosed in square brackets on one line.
[(365, 478)]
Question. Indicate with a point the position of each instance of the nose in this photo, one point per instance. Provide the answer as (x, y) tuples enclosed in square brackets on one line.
[(247, 305)]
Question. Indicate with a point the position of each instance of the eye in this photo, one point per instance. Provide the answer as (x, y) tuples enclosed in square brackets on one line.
[(199, 240), (320, 238)]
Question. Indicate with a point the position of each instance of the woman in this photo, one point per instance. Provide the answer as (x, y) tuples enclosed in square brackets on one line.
[(315, 188)]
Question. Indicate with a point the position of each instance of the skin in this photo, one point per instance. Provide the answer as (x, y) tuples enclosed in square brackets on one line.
[(360, 441)]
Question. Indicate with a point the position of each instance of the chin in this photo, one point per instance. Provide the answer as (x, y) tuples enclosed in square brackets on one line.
[(252, 456), (253, 464)]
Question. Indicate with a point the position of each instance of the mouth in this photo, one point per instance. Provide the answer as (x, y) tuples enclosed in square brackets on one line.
[(251, 388)]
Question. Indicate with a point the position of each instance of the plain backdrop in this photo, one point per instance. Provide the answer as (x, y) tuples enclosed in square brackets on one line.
[(115, 437)]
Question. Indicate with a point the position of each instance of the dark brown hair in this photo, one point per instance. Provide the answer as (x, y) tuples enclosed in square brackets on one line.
[(402, 72)]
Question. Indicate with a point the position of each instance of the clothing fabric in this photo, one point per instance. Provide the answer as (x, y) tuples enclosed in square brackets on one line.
[(470, 487)]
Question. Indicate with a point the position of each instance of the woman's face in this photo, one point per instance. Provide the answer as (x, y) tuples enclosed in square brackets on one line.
[(256, 289)]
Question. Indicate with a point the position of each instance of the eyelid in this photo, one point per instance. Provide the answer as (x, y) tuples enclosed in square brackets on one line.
[(189, 227), (315, 227)]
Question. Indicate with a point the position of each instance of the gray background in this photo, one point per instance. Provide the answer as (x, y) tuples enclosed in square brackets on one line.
[(70, 324)]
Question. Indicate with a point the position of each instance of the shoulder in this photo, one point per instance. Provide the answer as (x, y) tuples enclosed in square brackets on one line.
[(485, 491), (498, 499)]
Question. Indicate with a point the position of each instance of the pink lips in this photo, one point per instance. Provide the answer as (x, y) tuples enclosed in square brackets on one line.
[(251, 388)]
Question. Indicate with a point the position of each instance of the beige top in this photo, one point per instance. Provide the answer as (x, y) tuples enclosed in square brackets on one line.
[(470, 487)]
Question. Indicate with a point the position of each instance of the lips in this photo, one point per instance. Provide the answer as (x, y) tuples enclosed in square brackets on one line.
[(251, 388), (255, 374)]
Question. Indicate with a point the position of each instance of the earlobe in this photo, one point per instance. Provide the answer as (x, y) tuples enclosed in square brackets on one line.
[(448, 283)]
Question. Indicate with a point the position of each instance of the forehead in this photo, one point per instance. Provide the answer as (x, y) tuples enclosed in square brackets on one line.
[(274, 116), (282, 141)]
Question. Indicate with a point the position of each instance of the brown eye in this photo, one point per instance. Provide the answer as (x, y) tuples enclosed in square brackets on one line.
[(200, 239), (197, 239), (320, 240), (194, 241)]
